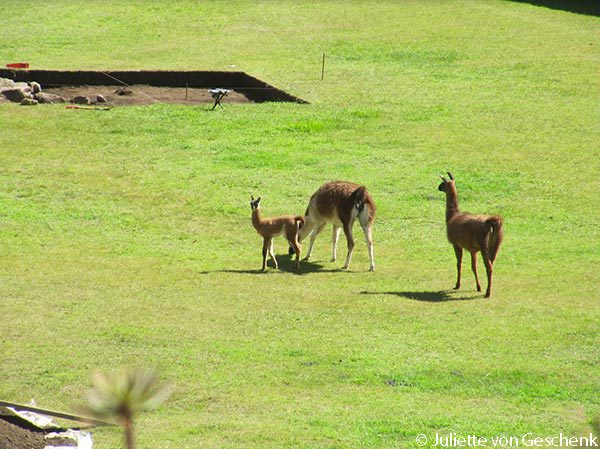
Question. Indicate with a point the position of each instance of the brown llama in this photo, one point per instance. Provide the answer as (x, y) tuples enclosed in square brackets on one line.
[(471, 232), (340, 203), (269, 228)]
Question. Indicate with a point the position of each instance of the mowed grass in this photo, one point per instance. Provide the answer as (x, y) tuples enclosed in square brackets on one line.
[(125, 236)]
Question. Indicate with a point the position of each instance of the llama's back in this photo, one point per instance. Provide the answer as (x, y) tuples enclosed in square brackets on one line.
[(335, 199)]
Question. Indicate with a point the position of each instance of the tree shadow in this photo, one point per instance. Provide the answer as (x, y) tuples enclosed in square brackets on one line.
[(439, 296), (588, 7)]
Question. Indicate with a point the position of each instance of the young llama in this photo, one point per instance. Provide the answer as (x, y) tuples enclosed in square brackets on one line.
[(269, 228)]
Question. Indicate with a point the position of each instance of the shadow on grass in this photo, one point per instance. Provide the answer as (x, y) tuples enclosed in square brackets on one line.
[(440, 296), (287, 264), (588, 7)]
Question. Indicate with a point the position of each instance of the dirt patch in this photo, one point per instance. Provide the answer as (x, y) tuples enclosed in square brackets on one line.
[(143, 94), (162, 86), (15, 437)]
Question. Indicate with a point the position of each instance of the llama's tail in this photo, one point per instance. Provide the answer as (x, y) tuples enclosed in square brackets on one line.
[(299, 219), (497, 234)]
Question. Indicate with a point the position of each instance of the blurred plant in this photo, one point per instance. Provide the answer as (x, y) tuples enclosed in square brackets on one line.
[(122, 395)]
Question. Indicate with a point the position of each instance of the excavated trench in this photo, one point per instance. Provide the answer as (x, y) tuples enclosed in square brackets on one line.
[(122, 88)]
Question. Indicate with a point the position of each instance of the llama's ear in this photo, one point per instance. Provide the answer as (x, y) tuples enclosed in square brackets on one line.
[(258, 199), (443, 179), (251, 197), (450, 174)]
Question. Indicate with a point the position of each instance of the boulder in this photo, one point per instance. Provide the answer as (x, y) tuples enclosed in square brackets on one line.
[(35, 87), (45, 97), (23, 85), (28, 102), (6, 83), (80, 99), (16, 94), (124, 91)]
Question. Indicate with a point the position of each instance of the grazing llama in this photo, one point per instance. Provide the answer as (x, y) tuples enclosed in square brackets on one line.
[(471, 232), (340, 203), (272, 227)]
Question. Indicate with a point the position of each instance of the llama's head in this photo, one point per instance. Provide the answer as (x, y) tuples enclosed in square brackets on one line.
[(447, 185), (254, 203)]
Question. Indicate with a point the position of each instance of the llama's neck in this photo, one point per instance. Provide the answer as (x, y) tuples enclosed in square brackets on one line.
[(256, 220), (451, 203)]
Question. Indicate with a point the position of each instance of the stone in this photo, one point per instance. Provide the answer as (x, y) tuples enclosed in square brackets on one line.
[(100, 99), (6, 83), (28, 102), (45, 97), (35, 87), (124, 91), (16, 94), (80, 99)]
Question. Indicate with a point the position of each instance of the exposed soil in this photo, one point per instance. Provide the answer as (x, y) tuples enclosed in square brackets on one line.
[(15, 437), (144, 94)]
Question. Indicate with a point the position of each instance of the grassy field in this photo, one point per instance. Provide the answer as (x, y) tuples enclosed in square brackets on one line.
[(125, 236)]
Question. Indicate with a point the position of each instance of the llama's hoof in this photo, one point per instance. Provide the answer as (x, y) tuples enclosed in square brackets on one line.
[(457, 287), (291, 250), (487, 294), (478, 288), (345, 267), (333, 259)]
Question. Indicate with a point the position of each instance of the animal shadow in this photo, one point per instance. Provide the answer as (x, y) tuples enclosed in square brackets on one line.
[(287, 264), (425, 296)]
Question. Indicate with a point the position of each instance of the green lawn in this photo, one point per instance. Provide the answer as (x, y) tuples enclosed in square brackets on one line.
[(125, 236)]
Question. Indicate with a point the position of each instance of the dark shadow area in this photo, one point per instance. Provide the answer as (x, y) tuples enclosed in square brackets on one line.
[(441, 296), (287, 264), (588, 7)]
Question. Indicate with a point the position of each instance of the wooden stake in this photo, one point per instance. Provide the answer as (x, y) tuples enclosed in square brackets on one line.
[(323, 68), (186, 91)]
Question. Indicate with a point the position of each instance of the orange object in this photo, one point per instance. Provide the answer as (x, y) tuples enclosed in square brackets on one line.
[(18, 65)]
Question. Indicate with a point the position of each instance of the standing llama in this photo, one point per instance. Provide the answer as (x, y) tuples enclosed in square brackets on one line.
[(340, 203), (471, 232), (273, 227)]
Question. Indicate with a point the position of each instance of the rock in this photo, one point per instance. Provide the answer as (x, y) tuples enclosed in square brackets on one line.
[(28, 102), (100, 99), (35, 87), (24, 86), (124, 91), (6, 83), (45, 97), (16, 94), (80, 99)]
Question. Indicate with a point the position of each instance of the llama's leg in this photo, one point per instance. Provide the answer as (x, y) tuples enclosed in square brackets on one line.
[(459, 253), (336, 236), (303, 232), (489, 268), (474, 268), (272, 254), (364, 223), (265, 250), (350, 240), (313, 236), (295, 244)]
